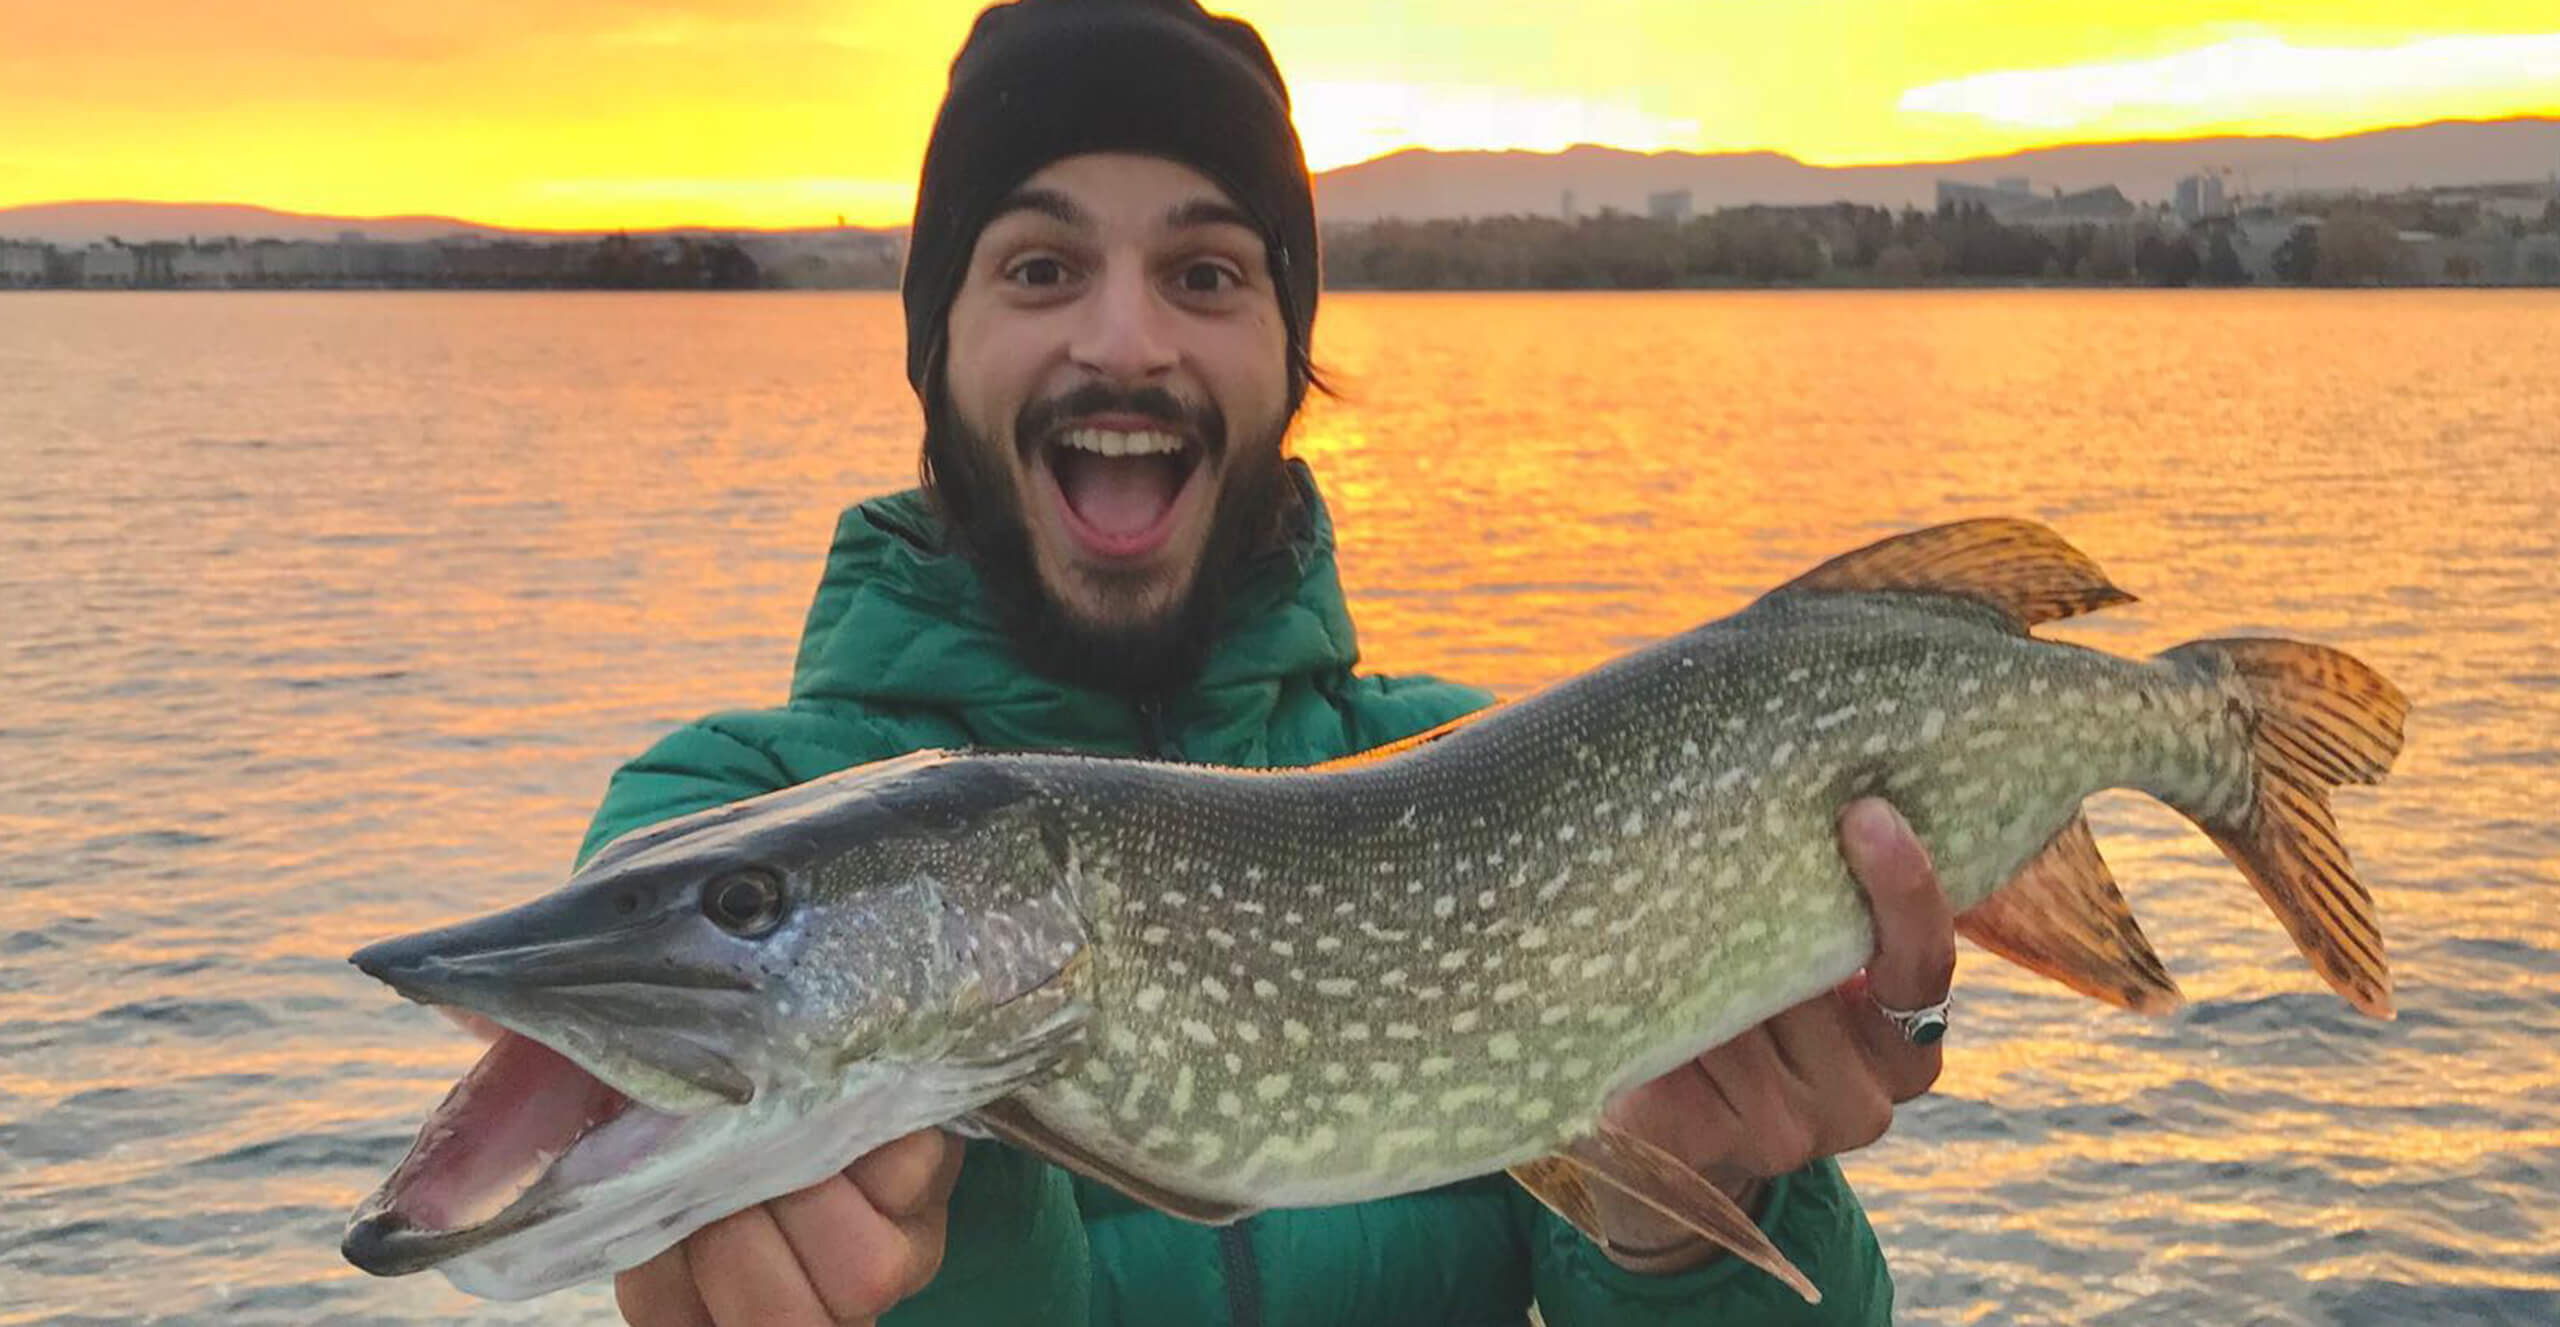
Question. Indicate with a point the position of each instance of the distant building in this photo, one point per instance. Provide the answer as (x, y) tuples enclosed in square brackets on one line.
[(215, 266), (2200, 196), (1672, 205), (2014, 202), (1567, 210), (109, 265), (2009, 195), (22, 264)]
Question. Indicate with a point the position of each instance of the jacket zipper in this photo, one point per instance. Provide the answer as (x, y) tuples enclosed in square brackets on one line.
[(1151, 734), (1244, 1276)]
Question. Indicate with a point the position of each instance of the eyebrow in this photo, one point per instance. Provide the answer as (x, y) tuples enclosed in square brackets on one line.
[(1062, 209)]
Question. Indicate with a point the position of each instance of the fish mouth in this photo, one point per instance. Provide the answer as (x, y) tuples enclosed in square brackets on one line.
[(604, 1048), (517, 1140)]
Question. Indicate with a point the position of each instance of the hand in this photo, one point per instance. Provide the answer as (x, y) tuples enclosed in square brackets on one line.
[(842, 1251), (1817, 1080)]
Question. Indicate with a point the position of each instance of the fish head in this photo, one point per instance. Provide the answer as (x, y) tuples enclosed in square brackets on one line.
[(723, 1009)]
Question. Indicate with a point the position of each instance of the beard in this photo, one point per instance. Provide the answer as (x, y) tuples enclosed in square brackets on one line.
[(978, 492)]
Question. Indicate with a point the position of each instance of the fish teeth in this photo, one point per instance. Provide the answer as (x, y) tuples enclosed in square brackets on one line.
[(1116, 442)]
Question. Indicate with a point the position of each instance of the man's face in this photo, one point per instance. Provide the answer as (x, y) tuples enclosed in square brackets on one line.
[(1117, 375)]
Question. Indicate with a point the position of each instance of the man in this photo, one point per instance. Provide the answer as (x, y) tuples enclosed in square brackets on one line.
[(1110, 292)]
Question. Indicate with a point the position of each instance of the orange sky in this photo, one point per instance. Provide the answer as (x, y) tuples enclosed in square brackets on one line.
[(593, 113)]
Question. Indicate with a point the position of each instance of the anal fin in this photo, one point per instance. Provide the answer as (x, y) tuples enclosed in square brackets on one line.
[(2062, 916), (1662, 1182), (1013, 1122)]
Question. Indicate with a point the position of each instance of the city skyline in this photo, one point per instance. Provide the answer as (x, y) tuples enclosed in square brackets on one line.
[(579, 114)]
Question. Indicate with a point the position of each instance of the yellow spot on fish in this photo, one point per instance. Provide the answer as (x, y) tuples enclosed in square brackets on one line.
[(1150, 1000), (1272, 1087), (1502, 1046)]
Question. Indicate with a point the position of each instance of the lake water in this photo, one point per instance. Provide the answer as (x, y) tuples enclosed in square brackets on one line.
[(325, 616)]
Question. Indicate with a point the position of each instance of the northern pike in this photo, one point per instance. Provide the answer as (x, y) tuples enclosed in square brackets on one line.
[(1222, 990)]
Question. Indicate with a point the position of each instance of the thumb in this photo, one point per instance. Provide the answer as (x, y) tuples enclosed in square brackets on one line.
[(1915, 958)]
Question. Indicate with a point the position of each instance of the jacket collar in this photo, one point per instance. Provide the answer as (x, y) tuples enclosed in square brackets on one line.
[(900, 621)]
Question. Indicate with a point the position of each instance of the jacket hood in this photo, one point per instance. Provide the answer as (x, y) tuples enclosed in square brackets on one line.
[(901, 621)]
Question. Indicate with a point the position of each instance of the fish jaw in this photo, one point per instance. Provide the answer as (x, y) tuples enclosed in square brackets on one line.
[(661, 1069), (630, 1185)]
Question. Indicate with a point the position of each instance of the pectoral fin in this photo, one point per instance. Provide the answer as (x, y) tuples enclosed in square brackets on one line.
[(2063, 916), (1660, 1181), (1013, 1122)]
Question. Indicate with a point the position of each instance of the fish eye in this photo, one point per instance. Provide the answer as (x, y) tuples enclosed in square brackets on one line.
[(748, 904)]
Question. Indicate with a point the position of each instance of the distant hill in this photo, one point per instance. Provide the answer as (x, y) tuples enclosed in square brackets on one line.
[(1420, 184), (146, 223)]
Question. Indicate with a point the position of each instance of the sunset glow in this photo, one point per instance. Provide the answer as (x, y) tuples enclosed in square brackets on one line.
[(584, 113)]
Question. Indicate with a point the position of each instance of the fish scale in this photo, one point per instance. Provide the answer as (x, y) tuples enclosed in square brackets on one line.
[(1222, 990), (1667, 879)]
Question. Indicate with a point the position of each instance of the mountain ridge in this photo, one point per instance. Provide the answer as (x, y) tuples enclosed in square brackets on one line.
[(1424, 183)]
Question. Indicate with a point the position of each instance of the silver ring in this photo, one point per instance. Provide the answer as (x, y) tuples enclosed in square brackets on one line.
[(1925, 1026)]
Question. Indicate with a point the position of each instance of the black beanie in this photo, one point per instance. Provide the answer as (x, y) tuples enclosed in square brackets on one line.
[(1042, 80)]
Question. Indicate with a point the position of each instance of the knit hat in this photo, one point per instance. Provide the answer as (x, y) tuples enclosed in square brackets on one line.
[(1042, 80)]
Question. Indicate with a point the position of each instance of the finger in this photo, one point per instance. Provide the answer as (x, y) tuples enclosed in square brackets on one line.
[(660, 1293), (901, 1176), (1915, 958), (1772, 1137), (1845, 1101), (856, 1259), (748, 1274)]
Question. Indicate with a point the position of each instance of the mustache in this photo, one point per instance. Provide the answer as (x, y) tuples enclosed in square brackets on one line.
[(1202, 422)]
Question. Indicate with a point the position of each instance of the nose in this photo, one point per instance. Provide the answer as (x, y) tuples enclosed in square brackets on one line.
[(1126, 334)]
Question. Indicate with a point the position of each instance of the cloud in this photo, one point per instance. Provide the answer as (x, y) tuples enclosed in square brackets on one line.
[(2244, 76)]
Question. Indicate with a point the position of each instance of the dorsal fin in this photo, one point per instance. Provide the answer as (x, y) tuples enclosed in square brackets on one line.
[(1402, 744), (2019, 568)]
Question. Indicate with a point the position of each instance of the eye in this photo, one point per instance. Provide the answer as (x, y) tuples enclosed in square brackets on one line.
[(1205, 278), (747, 905), (1039, 273)]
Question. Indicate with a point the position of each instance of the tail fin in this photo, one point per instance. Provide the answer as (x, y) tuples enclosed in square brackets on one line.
[(2319, 719)]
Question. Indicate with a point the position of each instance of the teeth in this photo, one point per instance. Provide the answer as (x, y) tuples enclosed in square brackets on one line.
[(1112, 442)]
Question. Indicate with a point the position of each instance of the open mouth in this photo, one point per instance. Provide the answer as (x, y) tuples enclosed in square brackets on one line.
[(1120, 486), (522, 1131)]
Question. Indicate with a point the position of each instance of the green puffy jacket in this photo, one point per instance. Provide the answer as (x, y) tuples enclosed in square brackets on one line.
[(899, 654)]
